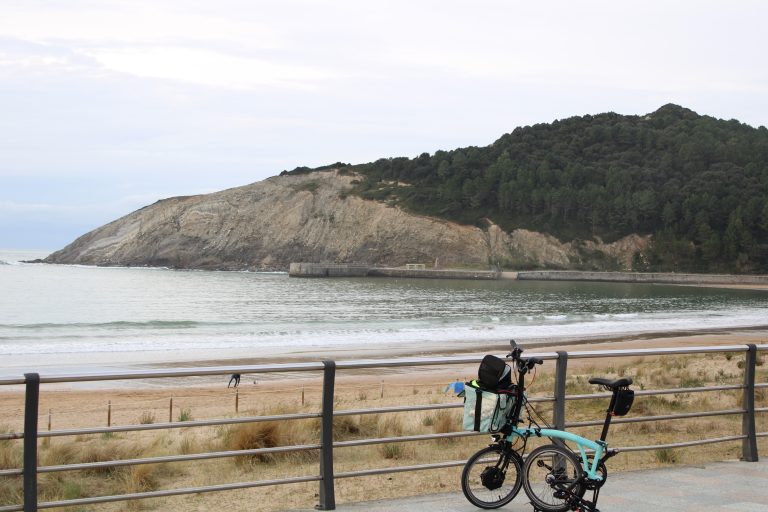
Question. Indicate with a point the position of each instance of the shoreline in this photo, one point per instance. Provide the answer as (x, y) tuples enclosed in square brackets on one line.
[(705, 337)]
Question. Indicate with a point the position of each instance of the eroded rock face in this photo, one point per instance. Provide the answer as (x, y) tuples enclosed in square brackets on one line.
[(268, 225)]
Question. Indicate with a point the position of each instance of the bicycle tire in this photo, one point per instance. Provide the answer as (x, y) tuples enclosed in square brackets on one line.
[(552, 478), (502, 467)]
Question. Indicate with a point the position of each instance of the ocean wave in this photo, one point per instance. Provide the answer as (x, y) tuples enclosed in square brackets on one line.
[(150, 324)]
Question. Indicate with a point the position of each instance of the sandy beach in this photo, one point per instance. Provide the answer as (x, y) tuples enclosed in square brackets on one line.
[(80, 404)]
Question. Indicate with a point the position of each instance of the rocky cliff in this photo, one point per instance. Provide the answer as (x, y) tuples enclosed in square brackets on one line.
[(269, 224)]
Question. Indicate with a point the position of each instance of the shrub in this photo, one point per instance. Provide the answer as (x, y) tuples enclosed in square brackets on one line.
[(58, 454), (140, 478), (71, 490), (347, 427), (391, 451), (103, 452), (390, 426), (10, 454), (445, 422), (11, 490), (147, 418), (187, 445), (253, 436), (666, 456), (185, 414)]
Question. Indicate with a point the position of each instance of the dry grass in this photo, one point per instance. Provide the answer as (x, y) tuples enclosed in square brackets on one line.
[(649, 373), (147, 418), (253, 436)]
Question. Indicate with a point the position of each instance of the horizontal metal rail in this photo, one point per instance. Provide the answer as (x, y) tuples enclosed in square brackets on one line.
[(385, 410), (168, 458), (234, 453), (249, 419), (174, 373), (165, 493), (660, 417), (683, 444), (360, 364), (164, 426), (421, 437), (401, 469), (594, 354), (650, 392)]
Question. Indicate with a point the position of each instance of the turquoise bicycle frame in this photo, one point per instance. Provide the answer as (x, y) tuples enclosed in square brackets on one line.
[(583, 443)]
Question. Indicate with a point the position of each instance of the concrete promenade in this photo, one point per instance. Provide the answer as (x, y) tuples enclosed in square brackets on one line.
[(729, 486)]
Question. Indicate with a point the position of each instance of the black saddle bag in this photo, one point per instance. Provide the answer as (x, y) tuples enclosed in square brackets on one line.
[(624, 399)]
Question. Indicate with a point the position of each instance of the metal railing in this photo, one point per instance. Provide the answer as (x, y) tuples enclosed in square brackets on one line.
[(326, 477)]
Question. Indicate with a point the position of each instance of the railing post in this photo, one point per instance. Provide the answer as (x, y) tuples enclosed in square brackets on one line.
[(31, 406), (749, 444), (558, 411), (327, 490)]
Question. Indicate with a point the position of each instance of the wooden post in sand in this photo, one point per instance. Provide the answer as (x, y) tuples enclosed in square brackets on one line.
[(237, 401), (382, 389), (170, 410), (50, 411), (302, 395), (109, 413)]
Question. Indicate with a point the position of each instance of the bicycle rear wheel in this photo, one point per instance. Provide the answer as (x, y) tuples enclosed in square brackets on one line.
[(552, 478), (491, 477)]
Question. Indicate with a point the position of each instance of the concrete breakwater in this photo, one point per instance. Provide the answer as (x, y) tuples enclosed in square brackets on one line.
[(350, 270), (353, 270), (642, 277)]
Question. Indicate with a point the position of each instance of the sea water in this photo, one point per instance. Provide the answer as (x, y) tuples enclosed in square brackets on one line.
[(53, 314)]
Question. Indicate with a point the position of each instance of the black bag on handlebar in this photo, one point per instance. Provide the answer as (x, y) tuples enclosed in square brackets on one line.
[(494, 374)]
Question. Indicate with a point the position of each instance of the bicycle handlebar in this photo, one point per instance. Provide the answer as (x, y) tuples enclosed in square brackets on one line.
[(523, 364)]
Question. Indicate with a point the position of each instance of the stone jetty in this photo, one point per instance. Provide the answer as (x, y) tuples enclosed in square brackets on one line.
[(412, 271)]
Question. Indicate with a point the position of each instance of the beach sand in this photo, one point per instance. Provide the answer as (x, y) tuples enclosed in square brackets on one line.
[(86, 404)]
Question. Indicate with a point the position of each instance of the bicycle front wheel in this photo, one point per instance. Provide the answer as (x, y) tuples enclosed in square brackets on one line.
[(491, 477), (552, 478)]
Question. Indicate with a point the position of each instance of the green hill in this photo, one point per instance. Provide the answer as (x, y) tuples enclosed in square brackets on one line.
[(698, 184)]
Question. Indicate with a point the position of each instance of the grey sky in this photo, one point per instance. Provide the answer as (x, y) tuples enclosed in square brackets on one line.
[(108, 106)]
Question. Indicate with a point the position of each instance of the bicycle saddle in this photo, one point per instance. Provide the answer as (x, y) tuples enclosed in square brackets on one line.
[(612, 384)]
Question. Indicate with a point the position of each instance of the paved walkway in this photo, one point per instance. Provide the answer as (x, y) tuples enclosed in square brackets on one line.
[(728, 486)]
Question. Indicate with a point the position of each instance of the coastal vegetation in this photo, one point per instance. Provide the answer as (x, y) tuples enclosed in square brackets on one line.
[(648, 373), (698, 184)]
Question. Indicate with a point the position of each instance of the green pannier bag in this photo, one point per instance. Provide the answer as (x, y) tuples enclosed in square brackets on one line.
[(485, 411)]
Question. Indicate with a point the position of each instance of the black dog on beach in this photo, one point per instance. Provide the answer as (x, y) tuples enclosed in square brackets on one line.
[(236, 378)]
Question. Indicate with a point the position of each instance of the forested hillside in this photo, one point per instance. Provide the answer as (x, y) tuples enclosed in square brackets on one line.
[(698, 184)]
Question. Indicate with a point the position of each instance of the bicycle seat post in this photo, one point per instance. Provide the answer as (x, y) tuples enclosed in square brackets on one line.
[(609, 415)]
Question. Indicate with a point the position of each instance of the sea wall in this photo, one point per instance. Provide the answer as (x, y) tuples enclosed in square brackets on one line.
[(350, 270), (638, 277), (327, 270), (433, 274)]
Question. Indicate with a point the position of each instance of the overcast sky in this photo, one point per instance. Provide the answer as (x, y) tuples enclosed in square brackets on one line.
[(106, 106)]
